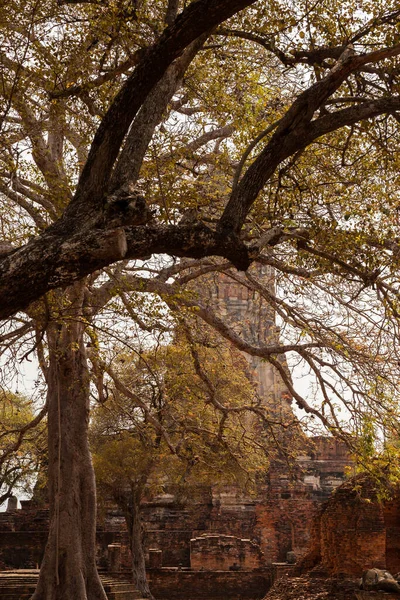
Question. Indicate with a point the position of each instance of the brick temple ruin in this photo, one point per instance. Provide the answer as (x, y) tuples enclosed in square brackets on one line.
[(221, 539)]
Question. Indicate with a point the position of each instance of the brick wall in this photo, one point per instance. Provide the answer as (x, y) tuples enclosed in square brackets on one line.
[(391, 515), (284, 519), (203, 585), (278, 520), (224, 552), (352, 530), (22, 549)]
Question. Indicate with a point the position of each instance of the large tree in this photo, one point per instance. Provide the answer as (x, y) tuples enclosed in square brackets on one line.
[(250, 131)]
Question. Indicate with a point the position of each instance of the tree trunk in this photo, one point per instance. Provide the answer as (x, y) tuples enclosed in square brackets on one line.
[(129, 502), (135, 530), (68, 570)]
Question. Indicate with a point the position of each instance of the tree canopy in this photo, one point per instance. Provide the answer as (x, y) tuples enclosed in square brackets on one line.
[(287, 92), (188, 409), (148, 144), (253, 132)]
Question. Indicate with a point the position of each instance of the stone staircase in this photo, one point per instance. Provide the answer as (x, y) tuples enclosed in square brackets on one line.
[(119, 589), (20, 585), (17, 585)]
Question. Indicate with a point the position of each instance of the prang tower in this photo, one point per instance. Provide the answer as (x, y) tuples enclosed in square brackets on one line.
[(253, 318)]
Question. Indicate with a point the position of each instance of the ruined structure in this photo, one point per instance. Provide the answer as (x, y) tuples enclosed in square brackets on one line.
[(219, 530), (355, 530), (254, 320)]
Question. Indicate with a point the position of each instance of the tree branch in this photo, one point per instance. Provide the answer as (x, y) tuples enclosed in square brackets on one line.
[(200, 17), (296, 123)]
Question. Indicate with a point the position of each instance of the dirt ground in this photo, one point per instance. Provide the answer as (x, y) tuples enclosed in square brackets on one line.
[(312, 588)]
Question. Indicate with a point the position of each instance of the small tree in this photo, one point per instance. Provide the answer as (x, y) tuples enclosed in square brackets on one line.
[(182, 414), (21, 445)]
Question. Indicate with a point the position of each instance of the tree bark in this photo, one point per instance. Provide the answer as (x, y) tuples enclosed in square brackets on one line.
[(52, 261), (135, 531), (129, 501), (68, 570)]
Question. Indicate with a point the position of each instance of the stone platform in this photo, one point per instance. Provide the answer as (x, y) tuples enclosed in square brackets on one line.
[(20, 585), (175, 584)]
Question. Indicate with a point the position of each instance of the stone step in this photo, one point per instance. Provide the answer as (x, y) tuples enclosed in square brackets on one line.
[(10, 576), (20, 585), (17, 580), (17, 596), (6, 584), (122, 586), (124, 596), (120, 589), (12, 589)]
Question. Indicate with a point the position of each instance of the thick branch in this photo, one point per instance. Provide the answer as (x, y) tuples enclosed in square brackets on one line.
[(149, 116), (55, 261), (172, 11), (198, 18), (294, 133)]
